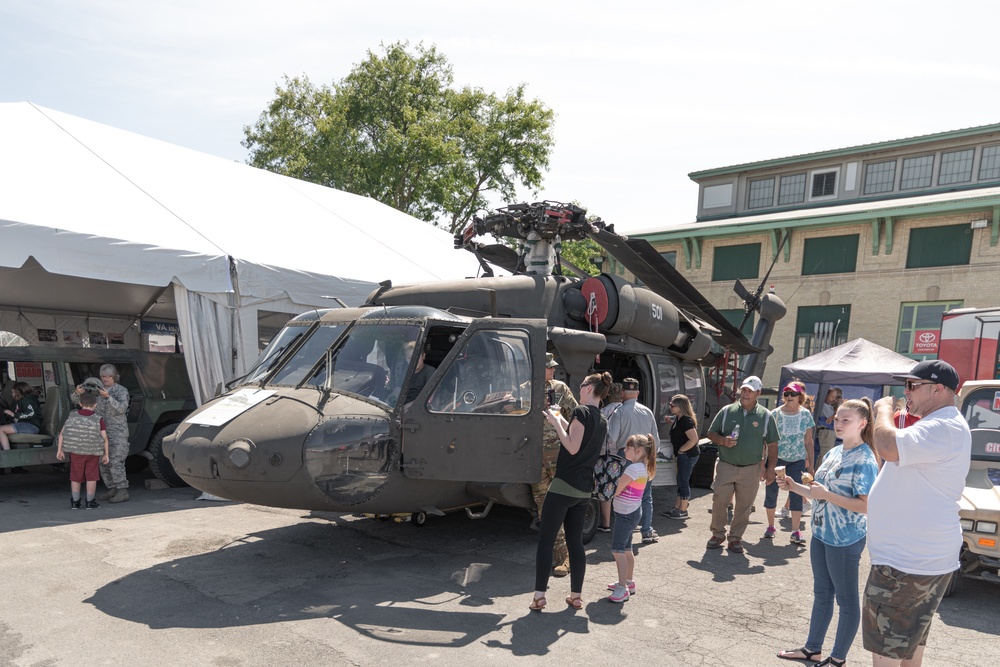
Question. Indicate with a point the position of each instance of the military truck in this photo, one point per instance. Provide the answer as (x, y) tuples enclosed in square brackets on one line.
[(160, 396), (979, 507)]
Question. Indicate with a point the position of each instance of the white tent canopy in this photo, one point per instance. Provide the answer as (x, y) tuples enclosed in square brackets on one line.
[(101, 227)]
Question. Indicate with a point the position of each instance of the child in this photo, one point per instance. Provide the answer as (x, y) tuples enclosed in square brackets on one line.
[(627, 507), (86, 439)]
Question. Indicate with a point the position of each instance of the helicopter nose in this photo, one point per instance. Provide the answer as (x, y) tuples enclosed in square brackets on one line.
[(263, 444)]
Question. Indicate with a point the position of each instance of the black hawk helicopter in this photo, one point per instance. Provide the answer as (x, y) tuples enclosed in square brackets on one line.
[(428, 398)]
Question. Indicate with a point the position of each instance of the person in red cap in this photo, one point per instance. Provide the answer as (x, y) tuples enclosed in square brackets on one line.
[(914, 535)]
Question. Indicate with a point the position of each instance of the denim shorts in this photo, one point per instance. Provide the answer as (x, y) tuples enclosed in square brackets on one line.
[(25, 427), (621, 530)]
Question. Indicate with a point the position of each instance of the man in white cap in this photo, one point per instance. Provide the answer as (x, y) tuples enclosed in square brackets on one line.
[(747, 436), (914, 534)]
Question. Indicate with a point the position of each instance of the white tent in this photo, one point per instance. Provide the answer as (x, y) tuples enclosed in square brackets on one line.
[(100, 227)]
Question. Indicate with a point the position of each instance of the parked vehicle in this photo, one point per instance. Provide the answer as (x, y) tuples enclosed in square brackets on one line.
[(160, 396), (968, 341), (980, 505)]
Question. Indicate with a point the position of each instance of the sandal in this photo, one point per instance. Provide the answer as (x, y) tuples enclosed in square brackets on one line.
[(576, 603), (537, 604), (831, 661), (806, 654)]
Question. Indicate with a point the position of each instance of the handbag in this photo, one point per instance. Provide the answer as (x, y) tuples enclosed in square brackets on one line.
[(607, 470)]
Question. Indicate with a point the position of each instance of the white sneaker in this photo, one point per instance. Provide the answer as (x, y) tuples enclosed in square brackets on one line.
[(782, 513), (806, 507)]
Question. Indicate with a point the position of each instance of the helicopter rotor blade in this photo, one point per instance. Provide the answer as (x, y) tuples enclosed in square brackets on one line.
[(496, 254), (660, 277)]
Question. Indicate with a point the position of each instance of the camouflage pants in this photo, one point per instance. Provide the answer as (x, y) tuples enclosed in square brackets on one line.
[(559, 551), (898, 610), (113, 474)]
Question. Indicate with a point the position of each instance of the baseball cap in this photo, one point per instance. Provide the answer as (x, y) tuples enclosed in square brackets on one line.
[(935, 370), (550, 360), (753, 382), (630, 384)]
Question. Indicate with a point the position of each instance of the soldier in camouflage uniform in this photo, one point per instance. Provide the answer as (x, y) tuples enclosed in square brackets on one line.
[(113, 407), (550, 451)]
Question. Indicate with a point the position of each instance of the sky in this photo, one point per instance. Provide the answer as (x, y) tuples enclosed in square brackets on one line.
[(644, 94)]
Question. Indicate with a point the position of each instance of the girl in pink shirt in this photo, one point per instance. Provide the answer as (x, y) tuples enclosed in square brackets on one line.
[(627, 503)]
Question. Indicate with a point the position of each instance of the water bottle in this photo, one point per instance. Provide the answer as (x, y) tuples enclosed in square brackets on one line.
[(735, 435)]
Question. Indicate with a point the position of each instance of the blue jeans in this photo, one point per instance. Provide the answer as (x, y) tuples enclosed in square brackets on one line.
[(793, 469), (621, 531), (835, 577), (646, 522), (685, 466)]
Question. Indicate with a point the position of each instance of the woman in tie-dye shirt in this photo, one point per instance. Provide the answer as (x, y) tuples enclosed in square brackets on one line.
[(640, 452), (839, 529)]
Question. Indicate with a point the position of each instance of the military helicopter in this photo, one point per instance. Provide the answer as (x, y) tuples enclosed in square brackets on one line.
[(427, 399)]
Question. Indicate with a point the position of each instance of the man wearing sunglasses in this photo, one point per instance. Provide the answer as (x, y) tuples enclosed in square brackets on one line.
[(914, 536)]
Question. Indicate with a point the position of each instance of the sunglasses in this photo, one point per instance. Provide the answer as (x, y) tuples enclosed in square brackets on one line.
[(788, 392), (910, 384)]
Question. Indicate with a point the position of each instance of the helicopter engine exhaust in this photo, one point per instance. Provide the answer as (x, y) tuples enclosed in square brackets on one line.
[(615, 306)]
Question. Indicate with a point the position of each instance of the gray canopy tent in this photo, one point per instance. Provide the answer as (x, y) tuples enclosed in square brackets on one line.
[(859, 367), (857, 362)]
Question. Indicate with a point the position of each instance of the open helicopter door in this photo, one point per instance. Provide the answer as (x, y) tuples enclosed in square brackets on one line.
[(479, 419)]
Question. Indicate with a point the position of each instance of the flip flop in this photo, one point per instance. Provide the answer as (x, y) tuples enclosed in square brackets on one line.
[(537, 604), (576, 603), (806, 654)]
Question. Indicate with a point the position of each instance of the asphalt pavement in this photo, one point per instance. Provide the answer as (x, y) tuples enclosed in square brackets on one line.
[(167, 579)]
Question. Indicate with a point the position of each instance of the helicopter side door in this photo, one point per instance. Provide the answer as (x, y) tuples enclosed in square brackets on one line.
[(479, 417)]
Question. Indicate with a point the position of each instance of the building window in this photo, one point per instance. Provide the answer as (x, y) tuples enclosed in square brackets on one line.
[(950, 245), (716, 196), (824, 184), (830, 254), (920, 328), (761, 193), (736, 261), (880, 177), (956, 167), (792, 189), (670, 257), (989, 168), (917, 172), (818, 328)]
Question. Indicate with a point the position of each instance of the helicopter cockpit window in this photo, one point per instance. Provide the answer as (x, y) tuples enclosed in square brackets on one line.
[(372, 360), (492, 375), (295, 369), (285, 339)]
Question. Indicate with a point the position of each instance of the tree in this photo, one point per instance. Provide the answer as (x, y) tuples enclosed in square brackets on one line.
[(396, 129), (581, 254)]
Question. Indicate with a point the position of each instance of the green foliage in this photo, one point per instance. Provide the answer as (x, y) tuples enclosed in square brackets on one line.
[(581, 253), (396, 130)]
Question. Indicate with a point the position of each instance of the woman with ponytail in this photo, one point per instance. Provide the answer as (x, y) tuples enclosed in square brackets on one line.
[(839, 531)]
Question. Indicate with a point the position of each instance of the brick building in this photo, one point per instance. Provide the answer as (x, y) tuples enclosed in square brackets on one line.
[(881, 239)]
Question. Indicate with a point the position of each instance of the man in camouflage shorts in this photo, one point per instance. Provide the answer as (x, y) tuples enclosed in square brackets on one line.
[(914, 535), (564, 398)]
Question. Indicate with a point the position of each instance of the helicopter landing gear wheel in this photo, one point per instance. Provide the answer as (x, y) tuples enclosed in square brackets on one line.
[(418, 518)]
